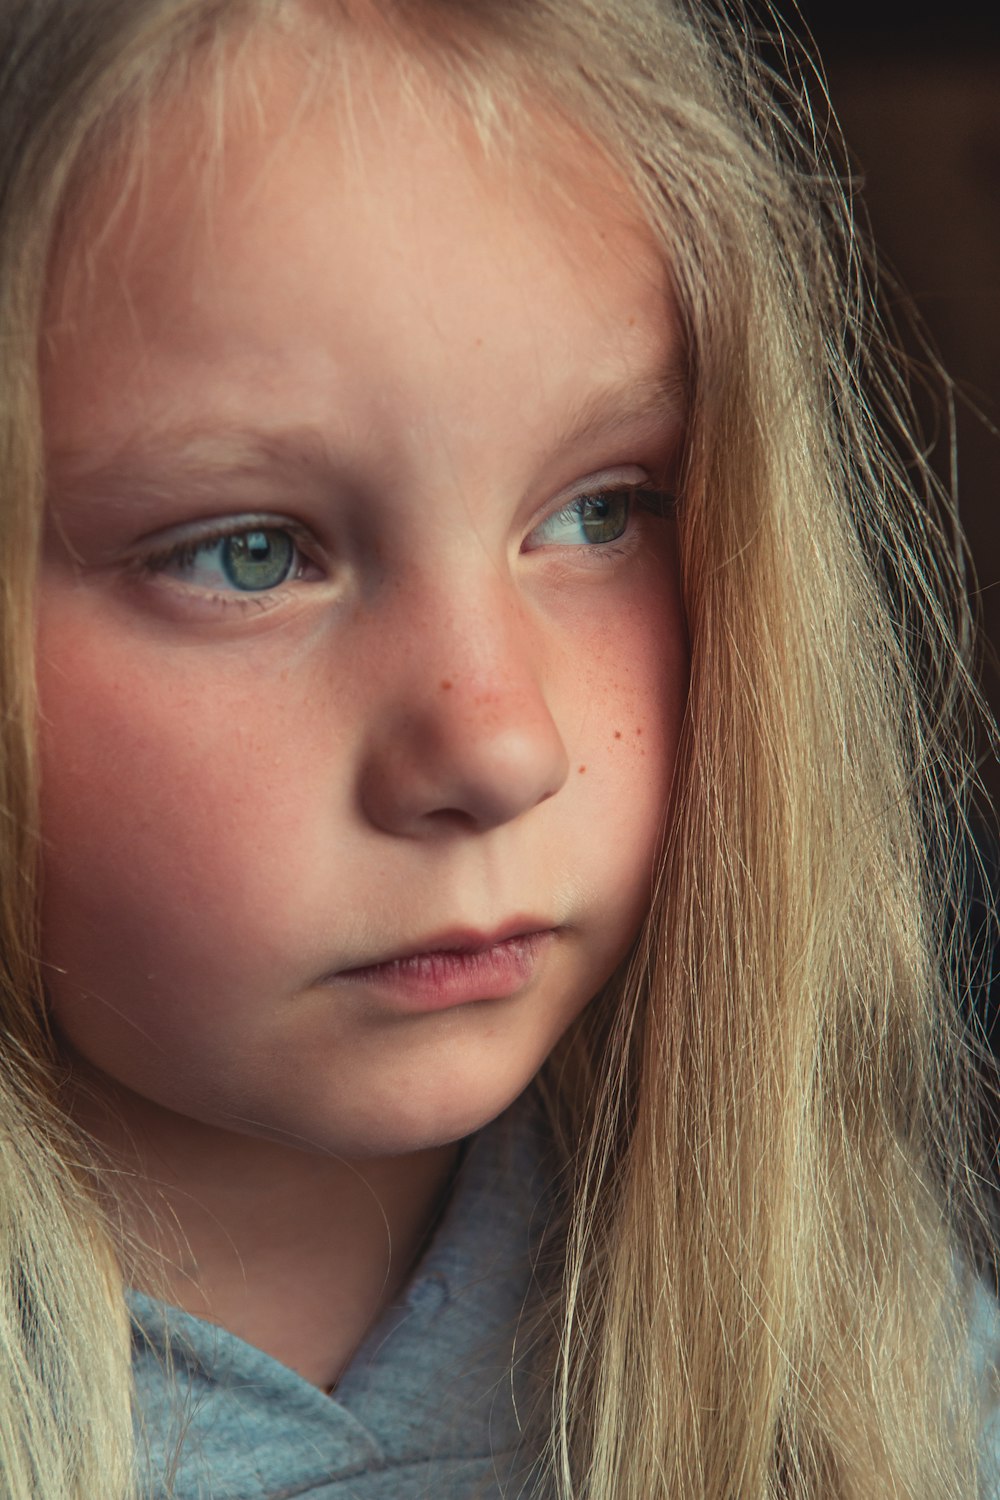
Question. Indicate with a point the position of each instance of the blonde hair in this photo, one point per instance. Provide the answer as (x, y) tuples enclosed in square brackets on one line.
[(759, 1280)]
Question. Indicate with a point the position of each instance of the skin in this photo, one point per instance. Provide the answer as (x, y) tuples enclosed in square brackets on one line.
[(460, 713)]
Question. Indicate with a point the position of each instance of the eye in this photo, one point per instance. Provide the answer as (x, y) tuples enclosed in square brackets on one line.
[(253, 560), (587, 520), (596, 517)]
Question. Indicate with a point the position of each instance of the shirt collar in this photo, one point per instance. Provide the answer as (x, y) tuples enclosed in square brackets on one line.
[(435, 1378)]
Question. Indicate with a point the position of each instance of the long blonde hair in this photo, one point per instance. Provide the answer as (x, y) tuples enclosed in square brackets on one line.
[(758, 1281)]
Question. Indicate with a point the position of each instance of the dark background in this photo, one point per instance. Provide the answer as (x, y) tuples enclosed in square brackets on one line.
[(917, 92)]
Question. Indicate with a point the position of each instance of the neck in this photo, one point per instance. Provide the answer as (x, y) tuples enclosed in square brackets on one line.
[(295, 1251)]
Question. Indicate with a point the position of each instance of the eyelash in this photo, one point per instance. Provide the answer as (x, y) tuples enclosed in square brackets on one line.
[(156, 562), (656, 502)]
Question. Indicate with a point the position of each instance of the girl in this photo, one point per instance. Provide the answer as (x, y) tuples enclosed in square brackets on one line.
[(484, 758)]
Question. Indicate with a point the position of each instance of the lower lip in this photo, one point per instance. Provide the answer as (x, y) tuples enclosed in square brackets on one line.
[(437, 981)]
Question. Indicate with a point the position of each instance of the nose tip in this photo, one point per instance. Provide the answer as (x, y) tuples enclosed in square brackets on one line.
[(468, 757)]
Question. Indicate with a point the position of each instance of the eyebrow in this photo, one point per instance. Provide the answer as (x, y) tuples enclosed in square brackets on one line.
[(200, 456), (661, 395)]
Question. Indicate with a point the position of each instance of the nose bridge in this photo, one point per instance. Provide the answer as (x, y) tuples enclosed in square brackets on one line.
[(468, 731), (476, 643)]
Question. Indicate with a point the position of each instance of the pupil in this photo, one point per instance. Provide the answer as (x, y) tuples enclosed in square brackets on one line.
[(605, 517), (258, 559)]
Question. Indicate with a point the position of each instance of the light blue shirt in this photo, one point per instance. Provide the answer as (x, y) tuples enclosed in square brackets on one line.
[(428, 1407)]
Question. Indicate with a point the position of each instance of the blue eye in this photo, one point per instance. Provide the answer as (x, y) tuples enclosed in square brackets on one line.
[(250, 561), (600, 517)]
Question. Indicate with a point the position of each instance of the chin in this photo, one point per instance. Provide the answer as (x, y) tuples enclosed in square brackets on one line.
[(427, 1124)]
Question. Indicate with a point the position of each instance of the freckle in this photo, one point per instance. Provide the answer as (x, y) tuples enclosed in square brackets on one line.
[(631, 322), (639, 729), (581, 769), (446, 685), (618, 734)]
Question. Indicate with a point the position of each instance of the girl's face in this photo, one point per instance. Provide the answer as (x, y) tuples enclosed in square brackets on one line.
[(357, 638)]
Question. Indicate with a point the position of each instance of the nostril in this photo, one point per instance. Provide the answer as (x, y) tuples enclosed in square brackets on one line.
[(452, 820), (487, 759)]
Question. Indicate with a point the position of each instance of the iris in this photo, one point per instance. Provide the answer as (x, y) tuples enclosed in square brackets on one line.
[(257, 559)]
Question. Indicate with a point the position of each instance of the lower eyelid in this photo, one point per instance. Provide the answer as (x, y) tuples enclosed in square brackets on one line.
[(566, 512), (193, 600), (187, 550)]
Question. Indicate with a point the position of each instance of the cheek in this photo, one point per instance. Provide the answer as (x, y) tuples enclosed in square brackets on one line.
[(631, 689), (629, 695), (163, 803)]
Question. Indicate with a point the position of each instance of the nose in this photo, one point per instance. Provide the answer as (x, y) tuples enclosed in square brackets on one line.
[(464, 736)]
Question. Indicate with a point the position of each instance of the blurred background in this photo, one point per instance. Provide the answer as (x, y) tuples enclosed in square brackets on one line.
[(917, 92)]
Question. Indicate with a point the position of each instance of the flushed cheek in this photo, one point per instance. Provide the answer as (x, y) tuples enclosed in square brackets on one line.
[(629, 689), (167, 810), (628, 708)]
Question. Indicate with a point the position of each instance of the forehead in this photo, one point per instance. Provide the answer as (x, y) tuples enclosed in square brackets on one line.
[(213, 250)]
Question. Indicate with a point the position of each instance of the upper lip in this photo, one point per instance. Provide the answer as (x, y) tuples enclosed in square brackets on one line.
[(457, 940)]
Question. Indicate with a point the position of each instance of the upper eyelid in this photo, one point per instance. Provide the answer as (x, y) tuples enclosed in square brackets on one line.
[(647, 486), (144, 562), (204, 533), (161, 544)]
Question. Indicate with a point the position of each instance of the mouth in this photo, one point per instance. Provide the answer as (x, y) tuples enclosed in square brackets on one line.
[(459, 940), (456, 967)]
